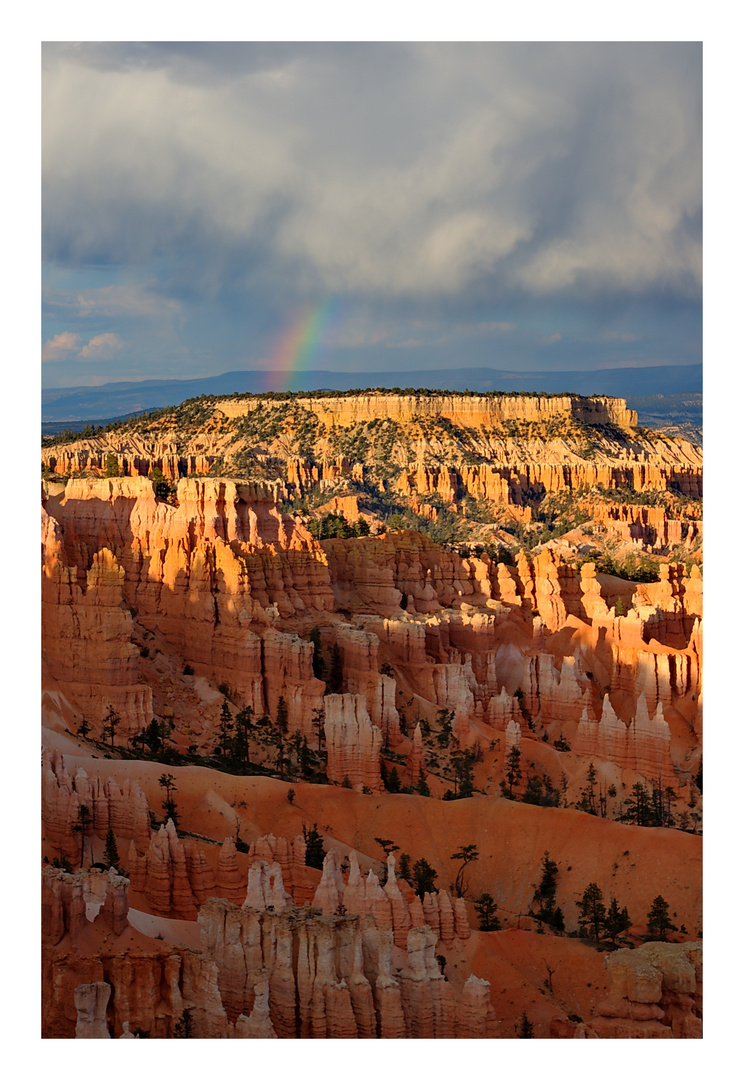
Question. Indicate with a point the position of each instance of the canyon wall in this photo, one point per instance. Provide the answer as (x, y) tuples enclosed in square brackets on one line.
[(479, 412)]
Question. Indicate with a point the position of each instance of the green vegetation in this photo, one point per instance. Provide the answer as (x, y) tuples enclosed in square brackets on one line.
[(110, 724), (83, 825), (184, 1027), (592, 912), (544, 894), (616, 921), (465, 855), (424, 877), (658, 921), (168, 782), (526, 1029), (110, 851), (485, 909), (513, 772), (631, 568), (111, 465), (315, 848), (336, 527)]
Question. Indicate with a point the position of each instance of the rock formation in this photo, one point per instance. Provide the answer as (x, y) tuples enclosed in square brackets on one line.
[(339, 970), (656, 993), (91, 1000), (353, 741), (208, 602), (68, 901), (162, 875), (258, 1025), (124, 810)]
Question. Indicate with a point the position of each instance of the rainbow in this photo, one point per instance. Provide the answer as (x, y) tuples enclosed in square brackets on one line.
[(297, 346)]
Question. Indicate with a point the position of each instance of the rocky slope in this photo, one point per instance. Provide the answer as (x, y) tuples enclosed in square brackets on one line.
[(463, 461), (228, 698)]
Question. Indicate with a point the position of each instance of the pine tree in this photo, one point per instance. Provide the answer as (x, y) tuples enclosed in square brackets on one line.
[(616, 921), (513, 770), (393, 780), (423, 877), (533, 794), (546, 890), (387, 845), (224, 738), (241, 743), (319, 724), (314, 847), (658, 920), (486, 907), (154, 735), (404, 867), (82, 825), (111, 464), (110, 724), (84, 729), (588, 802), (168, 782), (319, 666), (422, 788), (445, 721), (110, 851), (463, 762), (639, 805), (592, 911), (336, 674), (162, 487), (184, 1028), (465, 855), (282, 715)]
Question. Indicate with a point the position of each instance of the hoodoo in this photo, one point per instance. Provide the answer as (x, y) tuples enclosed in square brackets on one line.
[(363, 710)]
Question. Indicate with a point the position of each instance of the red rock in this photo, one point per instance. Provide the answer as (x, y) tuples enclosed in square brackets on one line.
[(200, 874), (265, 888), (416, 763), (91, 1000), (353, 742), (230, 882), (329, 896), (258, 1025), (655, 993)]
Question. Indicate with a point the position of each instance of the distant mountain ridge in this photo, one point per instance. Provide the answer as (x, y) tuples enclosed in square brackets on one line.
[(93, 403)]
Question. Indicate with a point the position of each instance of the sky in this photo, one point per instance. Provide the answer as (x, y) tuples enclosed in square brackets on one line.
[(210, 207)]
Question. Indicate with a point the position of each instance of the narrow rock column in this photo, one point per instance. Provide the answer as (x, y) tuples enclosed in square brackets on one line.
[(91, 1000)]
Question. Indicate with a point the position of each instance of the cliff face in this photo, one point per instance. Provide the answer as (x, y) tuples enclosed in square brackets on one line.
[(656, 993), (122, 809), (524, 446), (353, 741), (216, 577), (473, 411), (200, 575), (332, 976)]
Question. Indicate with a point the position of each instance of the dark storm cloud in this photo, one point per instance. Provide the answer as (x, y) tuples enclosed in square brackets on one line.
[(404, 178)]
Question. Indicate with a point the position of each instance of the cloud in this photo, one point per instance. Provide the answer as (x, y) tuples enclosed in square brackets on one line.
[(496, 327), (379, 170), (553, 339), (111, 301), (60, 347), (101, 347)]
